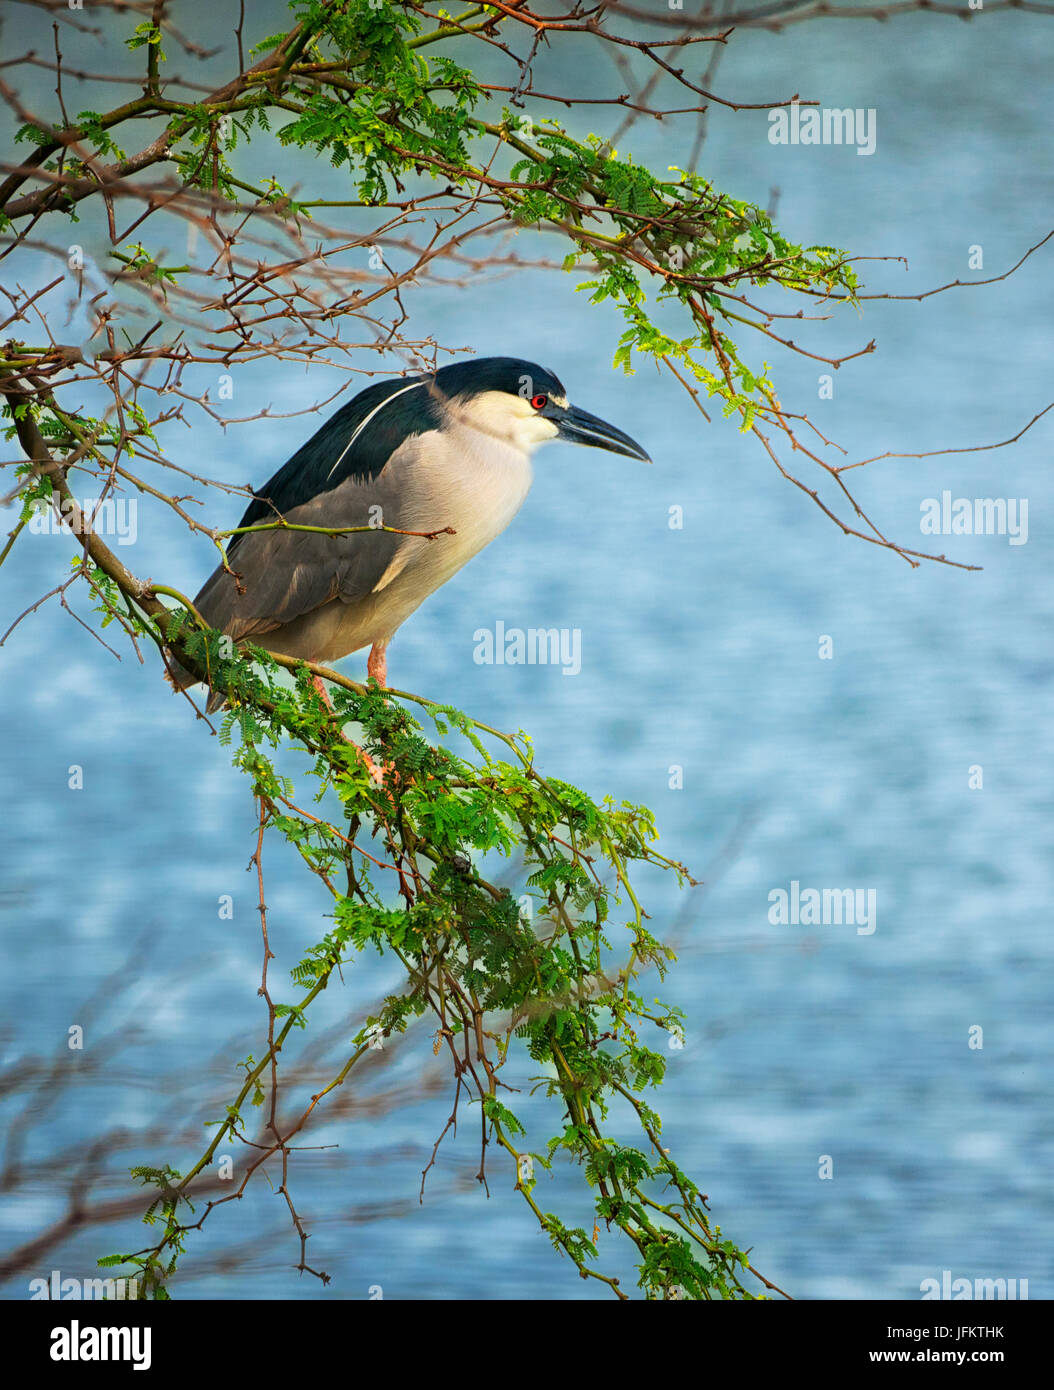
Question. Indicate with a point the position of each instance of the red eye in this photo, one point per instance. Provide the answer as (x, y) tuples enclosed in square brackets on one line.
[(539, 402)]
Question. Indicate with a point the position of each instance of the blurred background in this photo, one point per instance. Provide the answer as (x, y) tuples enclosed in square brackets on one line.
[(700, 651)]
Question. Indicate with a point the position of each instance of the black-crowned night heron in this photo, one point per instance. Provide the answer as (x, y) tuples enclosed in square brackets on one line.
[(423, 453)]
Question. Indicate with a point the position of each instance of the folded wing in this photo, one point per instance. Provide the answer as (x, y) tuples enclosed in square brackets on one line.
[(344, 476)]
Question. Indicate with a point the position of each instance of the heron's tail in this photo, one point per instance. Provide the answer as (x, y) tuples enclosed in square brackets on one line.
[(179, 678), (176, 674)]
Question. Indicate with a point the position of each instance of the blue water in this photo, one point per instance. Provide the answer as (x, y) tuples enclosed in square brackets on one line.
[(700, 649)]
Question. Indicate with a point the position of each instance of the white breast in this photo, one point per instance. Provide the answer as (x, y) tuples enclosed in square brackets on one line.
[(465, 480), (459, 478)]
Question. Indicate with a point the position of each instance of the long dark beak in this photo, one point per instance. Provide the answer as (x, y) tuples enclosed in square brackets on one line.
[(579, 427)]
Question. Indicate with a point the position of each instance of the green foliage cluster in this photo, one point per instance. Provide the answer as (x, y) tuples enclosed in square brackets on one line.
[(547, 979), (361, 88)]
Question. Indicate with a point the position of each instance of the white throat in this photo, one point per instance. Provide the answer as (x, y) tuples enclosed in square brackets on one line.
[(510, 420)]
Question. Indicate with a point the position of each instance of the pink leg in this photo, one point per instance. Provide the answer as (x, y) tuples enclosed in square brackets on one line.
[(375, 772), (377, 665), (320, 686), (377, 668)]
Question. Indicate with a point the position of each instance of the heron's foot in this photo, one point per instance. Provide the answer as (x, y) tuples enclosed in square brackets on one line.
[(377, 668), (375, 772), (322, 692)]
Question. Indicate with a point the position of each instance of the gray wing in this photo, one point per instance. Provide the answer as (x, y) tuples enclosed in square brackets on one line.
[(287, 574)]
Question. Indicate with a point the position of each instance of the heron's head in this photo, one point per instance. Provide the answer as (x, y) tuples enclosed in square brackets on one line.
[(524, 405)]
